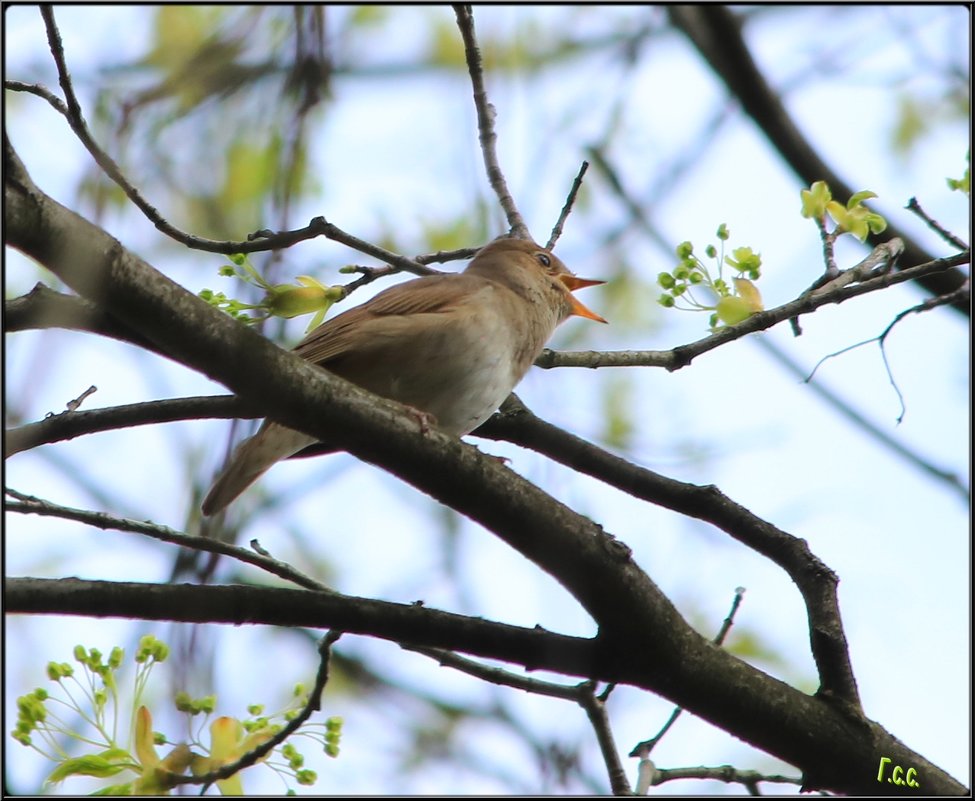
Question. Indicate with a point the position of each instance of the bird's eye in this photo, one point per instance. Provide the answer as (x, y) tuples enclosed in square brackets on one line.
[(544, 259)]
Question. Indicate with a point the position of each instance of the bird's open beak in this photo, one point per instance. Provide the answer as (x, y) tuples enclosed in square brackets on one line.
[(572, 283)]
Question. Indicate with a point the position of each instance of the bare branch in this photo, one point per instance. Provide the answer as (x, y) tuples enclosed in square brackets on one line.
[(42, 307), (644, 748), (277, 606), (583, 694), (259, 241), (881, 340), (567, 208), (486, 115), (934, 225), (27, 504), (69, 425), (816, 582), (725, 773), (913, 457), (499, 676), (596, 712)]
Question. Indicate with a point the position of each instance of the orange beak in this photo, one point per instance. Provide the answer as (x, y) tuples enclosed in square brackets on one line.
[(572, 283)]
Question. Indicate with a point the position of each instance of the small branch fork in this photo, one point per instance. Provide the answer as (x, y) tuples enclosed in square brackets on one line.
[(643, 749), (583, 694), (881, 339)]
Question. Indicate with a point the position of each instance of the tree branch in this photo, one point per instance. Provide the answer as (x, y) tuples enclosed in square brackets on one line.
[(833, 750), (412, 624), (259, 241), (69, 425), (683, 355), (486, 115), (27, 504), (715, 31), (314, 704), (816, 582)]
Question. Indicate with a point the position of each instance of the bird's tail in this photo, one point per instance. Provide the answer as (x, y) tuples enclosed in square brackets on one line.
[(270, 444)]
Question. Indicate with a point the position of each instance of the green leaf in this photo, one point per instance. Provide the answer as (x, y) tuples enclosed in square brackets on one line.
[(108, 763), (733, 309), (744, 260), (859, 197), (815, 200)]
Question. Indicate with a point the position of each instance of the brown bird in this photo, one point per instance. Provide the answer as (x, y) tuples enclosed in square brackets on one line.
[(450, 346)]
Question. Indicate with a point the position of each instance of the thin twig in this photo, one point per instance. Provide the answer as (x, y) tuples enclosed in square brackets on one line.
[(486, 115), (934, 225), (596, 712), (494, 675), (644, 748), (67, 425), (259, 241), (724, 773), (442, 256), (28, 504), (952, 480), (75, 404), (567, 208), (682, 356), (881, 340), (251, 757), (583, 694)]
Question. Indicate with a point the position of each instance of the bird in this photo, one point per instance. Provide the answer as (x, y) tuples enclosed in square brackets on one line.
[(450, 346)]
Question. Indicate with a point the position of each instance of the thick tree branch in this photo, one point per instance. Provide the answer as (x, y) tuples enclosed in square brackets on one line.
[(834, 750), (42, 307), (413, 624), (815, 581)]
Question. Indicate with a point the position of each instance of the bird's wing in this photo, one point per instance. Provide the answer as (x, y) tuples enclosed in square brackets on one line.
[(364, 327)]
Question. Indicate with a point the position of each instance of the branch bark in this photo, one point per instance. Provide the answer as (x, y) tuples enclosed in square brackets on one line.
[(833, 750)]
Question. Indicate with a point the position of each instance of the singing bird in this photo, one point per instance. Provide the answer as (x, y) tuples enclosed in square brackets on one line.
[(450, 346)]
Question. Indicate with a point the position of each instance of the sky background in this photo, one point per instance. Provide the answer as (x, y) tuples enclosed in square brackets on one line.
[(400, 153)]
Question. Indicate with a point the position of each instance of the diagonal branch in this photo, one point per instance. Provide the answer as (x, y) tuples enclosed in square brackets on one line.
[(816, 582), (715, 31), (27, 504), (314, 704), (259, 241), (486, 114)]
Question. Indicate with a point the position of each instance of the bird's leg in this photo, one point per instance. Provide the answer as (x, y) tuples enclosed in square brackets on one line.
[(424, 419)]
